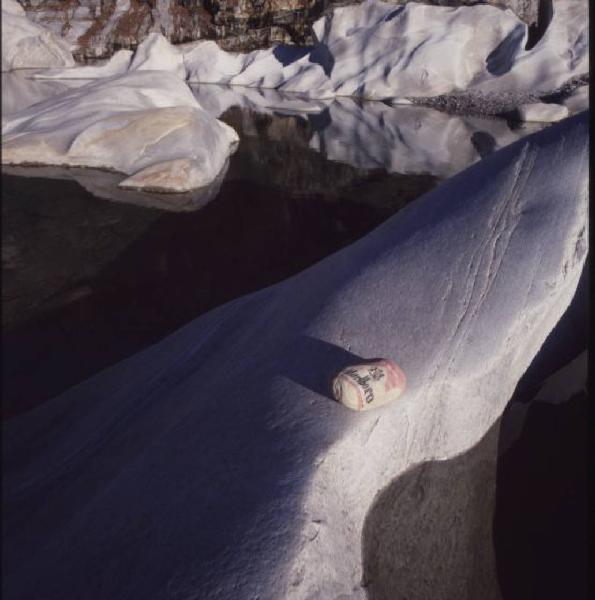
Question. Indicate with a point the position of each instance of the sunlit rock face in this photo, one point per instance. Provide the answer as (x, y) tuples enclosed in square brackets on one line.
[(96, 28), (152, 129), (273, 480), (27, 45)]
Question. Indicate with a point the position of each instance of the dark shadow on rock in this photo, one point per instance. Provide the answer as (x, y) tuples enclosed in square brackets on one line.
[(540, 522), (500, 60), (503, 520), (394, 13), (545, 14), (428, 533), (541, 515), (484, 143), (566, 341), (322, 56), (287, 55), (320, 121), (317, 363), (541, 511)]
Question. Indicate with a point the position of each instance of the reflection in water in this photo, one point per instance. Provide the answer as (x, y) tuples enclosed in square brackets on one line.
[(105, 184), (374, 135), (89, 282), (366, 135)]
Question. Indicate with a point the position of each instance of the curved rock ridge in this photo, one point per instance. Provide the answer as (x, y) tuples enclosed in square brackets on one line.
[(146, 124), (377, 51), (416, 52), (26, 45), (561, 54), (374, 50), (97, 28), (215, 465)]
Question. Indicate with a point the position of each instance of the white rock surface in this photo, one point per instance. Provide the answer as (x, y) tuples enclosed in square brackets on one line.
[(28, 45), (556, 389), (542, 113), (20, 90), (118, 64), (155, 53), (562, 53), (578, 100), (372, 49), (378, 50), (205, 62), (146, 124), (216, 99), (213, 465)]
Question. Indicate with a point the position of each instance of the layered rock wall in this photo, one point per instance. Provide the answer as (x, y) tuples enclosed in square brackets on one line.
[(96, 28)]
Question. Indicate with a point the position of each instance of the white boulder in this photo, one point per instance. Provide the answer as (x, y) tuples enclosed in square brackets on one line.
[(146, 124), (373, 49), (578, 100), (542, 113), (378, 50), (562, 53), (118, 64), (19, 91), (26, 45), (205, 62), (215, 465), (155, 53)]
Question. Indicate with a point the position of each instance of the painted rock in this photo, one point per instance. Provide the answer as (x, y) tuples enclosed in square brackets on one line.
[(369, 385)]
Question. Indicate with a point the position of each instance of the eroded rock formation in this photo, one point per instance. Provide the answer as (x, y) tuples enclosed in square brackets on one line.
[(96, 28)]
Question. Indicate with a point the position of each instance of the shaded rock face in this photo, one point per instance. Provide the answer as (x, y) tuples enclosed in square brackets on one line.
[(96, 28), (507, 519), (428, 533)]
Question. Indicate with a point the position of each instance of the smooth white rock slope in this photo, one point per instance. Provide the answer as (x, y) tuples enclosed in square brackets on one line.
[(146, 124), (378, 50), (27, 45), (215, 465), (562, 53)]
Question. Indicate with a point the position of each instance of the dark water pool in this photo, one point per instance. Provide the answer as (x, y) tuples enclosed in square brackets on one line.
[(88, 281)]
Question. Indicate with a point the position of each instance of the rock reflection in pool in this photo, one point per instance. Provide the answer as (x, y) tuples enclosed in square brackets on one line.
[(88, 282)]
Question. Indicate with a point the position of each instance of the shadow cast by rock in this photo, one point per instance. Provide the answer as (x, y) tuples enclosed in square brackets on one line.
[(317, 363), (428, 533)]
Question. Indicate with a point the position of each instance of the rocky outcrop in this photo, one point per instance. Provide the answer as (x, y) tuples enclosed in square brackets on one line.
[(26, 45), (96, 28), (214, 465), (152, 130)]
